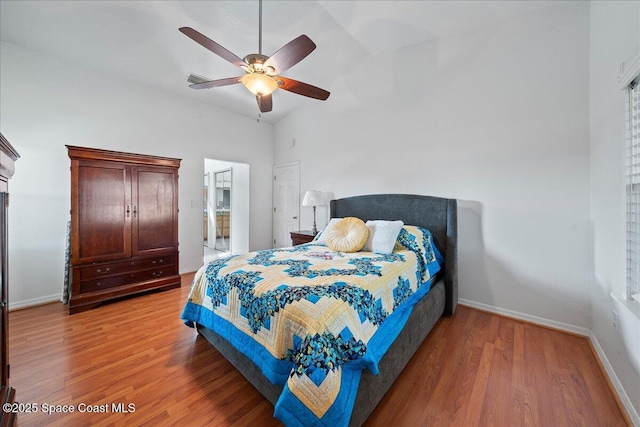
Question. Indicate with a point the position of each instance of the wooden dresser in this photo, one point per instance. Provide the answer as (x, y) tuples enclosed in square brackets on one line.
[(124, 225), (8, 156)]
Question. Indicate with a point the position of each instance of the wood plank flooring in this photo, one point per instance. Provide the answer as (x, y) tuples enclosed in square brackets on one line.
[(474, 369)]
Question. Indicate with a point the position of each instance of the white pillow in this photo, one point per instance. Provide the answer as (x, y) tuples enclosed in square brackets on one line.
[(321, 237), (382, 236)]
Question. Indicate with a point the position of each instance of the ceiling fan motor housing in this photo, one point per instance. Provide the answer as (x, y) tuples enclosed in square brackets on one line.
[(255, 64)]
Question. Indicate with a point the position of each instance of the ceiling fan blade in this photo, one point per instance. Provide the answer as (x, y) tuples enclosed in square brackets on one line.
[(216, 83), (264, 103), (303, 89), (290, 54), (197, 78), (212, 46)]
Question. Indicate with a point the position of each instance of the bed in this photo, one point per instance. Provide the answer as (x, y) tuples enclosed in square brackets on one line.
[(416, 317)]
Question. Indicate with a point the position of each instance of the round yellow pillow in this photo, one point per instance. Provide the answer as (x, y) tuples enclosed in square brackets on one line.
[(348, 235)]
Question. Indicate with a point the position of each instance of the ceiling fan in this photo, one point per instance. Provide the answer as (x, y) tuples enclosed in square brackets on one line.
[(262, 73)]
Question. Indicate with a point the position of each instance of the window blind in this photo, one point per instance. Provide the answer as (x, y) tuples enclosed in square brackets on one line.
[(633, 191)]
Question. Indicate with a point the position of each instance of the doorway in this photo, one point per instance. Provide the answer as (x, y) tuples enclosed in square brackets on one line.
[(226, 209)]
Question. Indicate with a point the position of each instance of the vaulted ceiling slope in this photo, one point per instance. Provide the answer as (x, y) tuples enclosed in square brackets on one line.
[(139, 40)]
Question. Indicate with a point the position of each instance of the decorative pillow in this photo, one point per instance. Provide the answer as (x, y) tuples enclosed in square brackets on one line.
[(347, 235), (321, 237), (420, 241), (382, 236)]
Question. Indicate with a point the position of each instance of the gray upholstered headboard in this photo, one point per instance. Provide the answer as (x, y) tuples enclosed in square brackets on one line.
[(437, 214)]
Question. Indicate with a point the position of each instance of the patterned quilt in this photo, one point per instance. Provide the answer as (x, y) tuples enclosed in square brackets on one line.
[(312, 319)]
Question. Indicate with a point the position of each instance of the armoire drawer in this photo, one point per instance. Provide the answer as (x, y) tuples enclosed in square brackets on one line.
[(115, 268), (107, 282)]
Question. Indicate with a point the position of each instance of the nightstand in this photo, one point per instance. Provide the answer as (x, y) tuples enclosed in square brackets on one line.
[(301, 236)]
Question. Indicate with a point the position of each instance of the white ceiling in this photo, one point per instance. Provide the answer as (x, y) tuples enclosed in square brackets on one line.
[(139, 40)]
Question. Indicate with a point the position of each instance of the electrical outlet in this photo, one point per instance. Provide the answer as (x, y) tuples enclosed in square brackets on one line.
[(614, 322)]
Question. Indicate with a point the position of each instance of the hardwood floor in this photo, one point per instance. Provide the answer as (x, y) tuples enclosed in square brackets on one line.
[(475, 368)]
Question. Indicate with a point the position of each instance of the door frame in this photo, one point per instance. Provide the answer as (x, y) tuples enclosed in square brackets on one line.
[(239, 198)]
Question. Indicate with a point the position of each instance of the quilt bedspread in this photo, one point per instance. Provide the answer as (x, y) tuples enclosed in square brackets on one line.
[(312, 319)]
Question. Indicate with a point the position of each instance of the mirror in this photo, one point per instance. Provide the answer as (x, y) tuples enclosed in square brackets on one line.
[(223, 210)]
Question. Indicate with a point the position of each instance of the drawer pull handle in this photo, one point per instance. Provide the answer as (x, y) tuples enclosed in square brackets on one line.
[(106, 270), (157, 273), (160, 261)]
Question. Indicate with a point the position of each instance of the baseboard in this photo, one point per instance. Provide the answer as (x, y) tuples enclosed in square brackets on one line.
[(528, 318), (588, 333), (615, 381), (19, 305)]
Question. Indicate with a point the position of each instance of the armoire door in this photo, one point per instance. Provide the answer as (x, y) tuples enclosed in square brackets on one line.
[(8, 156), (4, 312), (155, 195), (104, 211)]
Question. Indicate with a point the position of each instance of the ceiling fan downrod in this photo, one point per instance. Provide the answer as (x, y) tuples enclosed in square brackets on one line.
[(260, 27)]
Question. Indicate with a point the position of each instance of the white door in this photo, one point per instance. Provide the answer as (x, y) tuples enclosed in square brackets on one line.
[(286, 203)]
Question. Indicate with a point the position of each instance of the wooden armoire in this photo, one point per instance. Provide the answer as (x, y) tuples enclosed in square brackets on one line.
[(8, 156), (124, 225)]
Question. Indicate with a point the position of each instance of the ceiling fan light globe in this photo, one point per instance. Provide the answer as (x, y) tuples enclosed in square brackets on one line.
[(259, 84)]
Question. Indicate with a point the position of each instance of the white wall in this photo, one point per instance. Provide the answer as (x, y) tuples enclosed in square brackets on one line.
[(615, 36), (240, 205), (46, 103), (497, 119)]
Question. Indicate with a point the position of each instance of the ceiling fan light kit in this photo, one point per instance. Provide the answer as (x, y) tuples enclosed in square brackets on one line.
[(259, 84), (261, 72)]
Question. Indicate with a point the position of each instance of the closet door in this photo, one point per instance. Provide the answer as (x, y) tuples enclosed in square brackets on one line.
[(155, 221), (103, 211)]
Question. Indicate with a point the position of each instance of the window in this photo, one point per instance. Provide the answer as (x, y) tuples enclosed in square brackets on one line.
[(633, 190)]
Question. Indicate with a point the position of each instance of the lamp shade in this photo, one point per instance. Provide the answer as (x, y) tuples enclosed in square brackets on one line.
[(313, 198)]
